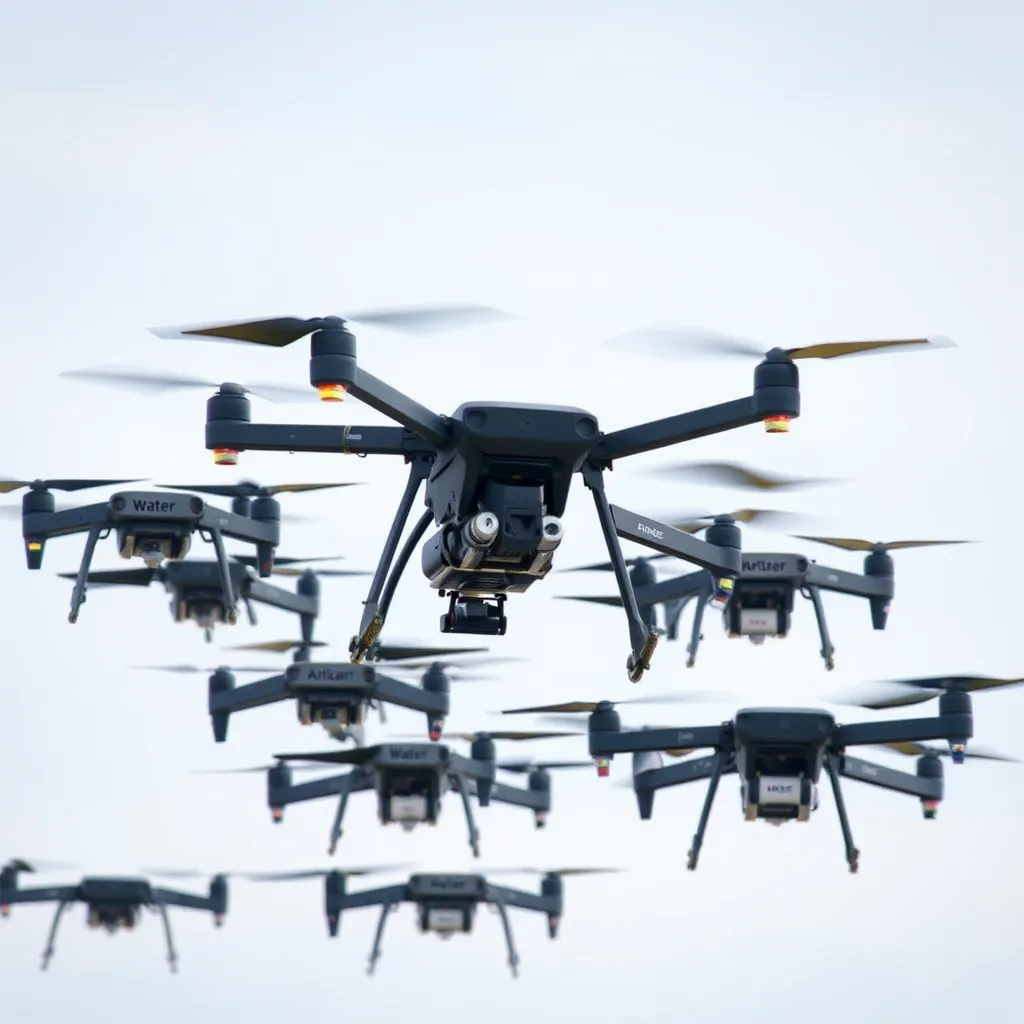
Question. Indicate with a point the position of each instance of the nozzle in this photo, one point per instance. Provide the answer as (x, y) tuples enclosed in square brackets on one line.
[(604, 766), (777, 424), (332, 392), (225, 457)]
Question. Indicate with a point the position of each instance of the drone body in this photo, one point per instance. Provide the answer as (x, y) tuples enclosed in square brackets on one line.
[(111, 903), (411, 779)]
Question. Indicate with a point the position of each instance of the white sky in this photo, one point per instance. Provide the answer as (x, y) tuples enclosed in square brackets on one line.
[(789, 172)]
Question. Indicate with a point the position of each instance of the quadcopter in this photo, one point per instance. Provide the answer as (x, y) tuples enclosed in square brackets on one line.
[(497, 475), (445, 904), (779, 754), (337, 695), (758, 603), (410, 780), (111, 903)]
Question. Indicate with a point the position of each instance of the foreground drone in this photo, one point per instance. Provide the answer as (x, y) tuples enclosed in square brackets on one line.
[(445, 904), (111, 903), (779, 754), (410, 780), (336, 694)]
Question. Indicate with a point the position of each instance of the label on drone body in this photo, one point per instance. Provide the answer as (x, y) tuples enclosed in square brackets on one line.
[(152, 505), (758, 621), (327, 676), (779, 790), (769, 565)]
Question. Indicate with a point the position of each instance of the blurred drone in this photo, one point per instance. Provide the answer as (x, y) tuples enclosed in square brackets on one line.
[(497, 475), (445, 904), (207, 592), (779, 754), (112, 903), (410, 780), (337, 694), (759, 602)]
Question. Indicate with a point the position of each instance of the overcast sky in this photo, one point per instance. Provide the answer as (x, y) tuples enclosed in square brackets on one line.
[(790, 172)]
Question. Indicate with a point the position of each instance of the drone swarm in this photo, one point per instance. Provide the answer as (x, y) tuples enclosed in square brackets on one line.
[(496, 479)]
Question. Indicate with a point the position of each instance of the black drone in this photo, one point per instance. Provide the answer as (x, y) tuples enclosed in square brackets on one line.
[(410, 780), (446, 904), (112, 903), (779, 753), (498, 475), (759, 602), (337, 694)]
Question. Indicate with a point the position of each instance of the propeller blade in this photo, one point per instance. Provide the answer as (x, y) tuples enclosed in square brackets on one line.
[(855, 544), (896, 693), (678, 341), (118, 577), (553, 871), (280, 331), (179, 872), (522, 767), (14, 511), (359, 756), (255, 769), (980, 753), (451, 666), (734, 474), (283, 571), (588, 707), (839, 349), (148, 382), (32, 865), (253, 561), (251, 489), (198, 670), (278, 646), (614, 602), (401, 652), (765, 517), (297, 876), (507, 735), (7, 486)]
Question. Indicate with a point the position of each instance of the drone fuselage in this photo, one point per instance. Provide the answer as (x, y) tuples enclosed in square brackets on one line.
[(410, 781), (446, 904), (334, 695), (114, 903)]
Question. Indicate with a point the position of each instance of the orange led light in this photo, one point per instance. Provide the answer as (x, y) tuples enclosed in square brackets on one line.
[(604, 767), (225, 457), (277, 813), (34, 545), (777, 424), (332, 392)]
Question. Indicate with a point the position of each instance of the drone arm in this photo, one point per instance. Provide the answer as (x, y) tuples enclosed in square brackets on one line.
[(642, 640), (250, 695), (517, 797), (185, 900), (172, 955), (695, 631), (682, 587), (241, 435), (81, 580), (828, 652), (890, 778), (407, 695), (399, 407), (907, 730), (669, 541), (465, 786), (693, 770), (605, 743), (47, 525), (378, 937), (243, 528), (687, 426), (43, 894), (518, 898), (278, 597), (851, 583), (51, 938), (373, 620), (387, 895), (315, 790)]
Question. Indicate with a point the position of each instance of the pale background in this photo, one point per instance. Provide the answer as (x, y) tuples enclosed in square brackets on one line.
[(791, 172)]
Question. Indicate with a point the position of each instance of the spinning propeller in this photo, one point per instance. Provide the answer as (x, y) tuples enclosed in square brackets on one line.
[(912, 749), (898, 693), (8, 486), (736, 475), (682, 341), (287, 566), (854, 544), (298, 876)]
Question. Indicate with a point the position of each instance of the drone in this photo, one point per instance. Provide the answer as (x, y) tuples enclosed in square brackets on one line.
[(410, 780), (446, 903), (335, 695), (111, 903), (779, 754), (758, 603)]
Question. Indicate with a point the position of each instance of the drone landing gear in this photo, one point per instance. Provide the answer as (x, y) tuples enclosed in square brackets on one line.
[(378, 937), (467, 806), (852, 853), (475, 615), (813, 594), (717, 769), (172, 955), (339, 814), (643, 639), (513, 956), (695, 632), (51, 939)]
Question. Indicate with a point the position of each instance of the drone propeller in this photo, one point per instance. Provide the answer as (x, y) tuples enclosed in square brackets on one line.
[(912, 749), (608, 567), (562, 872), (738, 476), (678, 341), (197, 670), (118, 577), (286, 566), (507, 734), (521, 767), (358, 756), (279, 646), (586, 707), (33, 865), (406, 652), (283, 330), (462, 669), (148, 382), (251, 489), (188, 873), (298, 876), (854, 544), (764, 516), (906, 692), (8, 486), (255, 769)]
